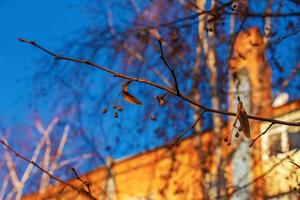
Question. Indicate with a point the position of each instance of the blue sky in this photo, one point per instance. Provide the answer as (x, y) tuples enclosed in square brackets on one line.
[(48, 22)]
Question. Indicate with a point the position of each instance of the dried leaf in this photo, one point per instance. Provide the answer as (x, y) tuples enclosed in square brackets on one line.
[(161, 99), (245, 125), (241, 115), (129, 97), (238, 109), (125, 86)]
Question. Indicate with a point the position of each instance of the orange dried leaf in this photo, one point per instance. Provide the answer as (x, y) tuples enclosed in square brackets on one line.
[(160, 100), (125, 86), (241, 115), (244, 122), (130, 98), (238, 110)]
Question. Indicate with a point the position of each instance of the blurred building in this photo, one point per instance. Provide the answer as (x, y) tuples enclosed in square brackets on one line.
[(193, 170)]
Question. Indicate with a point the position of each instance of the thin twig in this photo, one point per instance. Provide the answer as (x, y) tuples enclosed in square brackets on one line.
[(286, 82), (81, 191), (212, 11), (147, 82), (297, 165), (263, 15), (178, 139), (169, 67), (265, 131), (86, 183)]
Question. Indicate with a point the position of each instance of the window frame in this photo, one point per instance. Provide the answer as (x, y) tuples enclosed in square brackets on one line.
[(278, 129)]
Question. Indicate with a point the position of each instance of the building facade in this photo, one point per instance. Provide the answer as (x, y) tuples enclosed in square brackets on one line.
[(262, 171)]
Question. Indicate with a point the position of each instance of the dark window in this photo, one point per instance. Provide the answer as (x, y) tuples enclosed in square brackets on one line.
[(294, 140), (275, 144)]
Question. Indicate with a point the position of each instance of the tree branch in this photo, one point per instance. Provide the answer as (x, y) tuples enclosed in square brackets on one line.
[(86, 183), (220, 11), (147, 82), (169, 68), (297, 165), (265, 131), (176, 142), (79, 190)]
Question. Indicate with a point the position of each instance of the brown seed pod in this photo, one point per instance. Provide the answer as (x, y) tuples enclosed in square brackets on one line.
[(153, 118), (116, 115), (120, 108), (226, 139), (104, 110)]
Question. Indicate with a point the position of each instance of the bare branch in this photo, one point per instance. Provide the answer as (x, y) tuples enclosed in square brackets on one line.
[(178, 139), (169, 67), (211, 12), (265, 131), (86, 183), (286, 82), (147, 82), (79, 190), (4, 186), (54, 165), (12, 170), (297, 165), (35, 155), (191, 17), (73, 159), (263, 15)]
